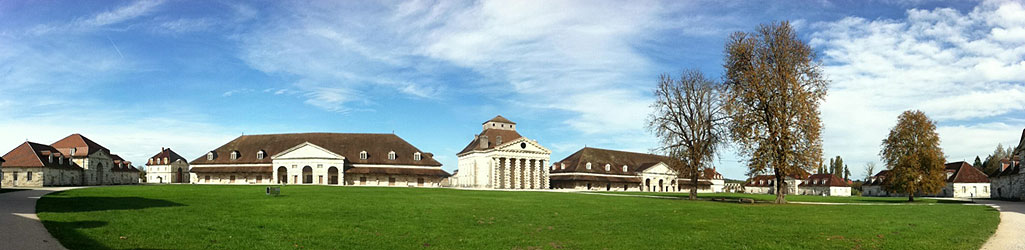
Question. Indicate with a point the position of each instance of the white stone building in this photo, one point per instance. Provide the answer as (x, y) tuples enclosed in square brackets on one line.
[(318, 159), (74, 160), (167, 167), (825, 185), (963, 181), (500, 158), (595, 169), (765, 184)]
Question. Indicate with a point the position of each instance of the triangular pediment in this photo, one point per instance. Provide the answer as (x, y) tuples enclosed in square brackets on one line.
[(524, 144), (659, 168), (307, 151)]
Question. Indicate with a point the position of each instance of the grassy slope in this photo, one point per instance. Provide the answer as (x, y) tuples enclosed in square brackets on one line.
[(314, 217)]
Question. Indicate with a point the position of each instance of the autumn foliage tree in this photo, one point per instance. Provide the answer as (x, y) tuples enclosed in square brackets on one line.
[(774, 86), (912, 153), (688, 120)]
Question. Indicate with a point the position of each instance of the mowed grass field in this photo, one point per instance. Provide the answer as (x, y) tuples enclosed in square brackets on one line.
[(321, 217), (796, 198)]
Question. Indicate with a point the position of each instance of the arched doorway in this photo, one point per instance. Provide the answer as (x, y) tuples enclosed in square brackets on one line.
[(99, 174), (307, 175), (647, 184), (180, 177), (608, 186), (282, 175), (332, 176), (160, 179), (660, 187)]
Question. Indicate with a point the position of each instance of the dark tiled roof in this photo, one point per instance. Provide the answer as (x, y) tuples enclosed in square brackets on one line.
[(632, 179), (35, 155), (761, 181), (824, 180), (349, 145), (399, 171), (84, 146), (635, 162), (965, 173), (166, 153), (878, 179), (265, 170), (492, 139), (499, 118)]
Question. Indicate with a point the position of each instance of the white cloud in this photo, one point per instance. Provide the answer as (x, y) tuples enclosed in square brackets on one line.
[(124, 13), (943, 62)]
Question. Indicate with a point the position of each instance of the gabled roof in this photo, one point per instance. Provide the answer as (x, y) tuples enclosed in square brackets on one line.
[(965, 173), (878, 179), (84, 146), (35, 155), (167, 153), (349, 145), (492, 139), (499, 118), (635, 162), (760, 181), (824, 180)]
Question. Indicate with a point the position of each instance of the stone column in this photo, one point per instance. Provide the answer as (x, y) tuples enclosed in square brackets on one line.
[(494, 172), (517, 177), (505, 173), (532, 172), (544, 175), (537, 173)]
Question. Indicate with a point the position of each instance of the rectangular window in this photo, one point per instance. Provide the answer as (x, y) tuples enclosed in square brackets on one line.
[(207, 178), (28, 176), (231, 179), (15, 175), (363, 180), (259, 178), (391, 181), (320, 179)]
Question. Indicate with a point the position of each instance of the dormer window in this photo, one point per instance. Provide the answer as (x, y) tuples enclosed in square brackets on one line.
[(60, 160), (391, 155), (416, 156), (151, 161), (210, 156), (73, 150), (234, 155), (624, 168), (498, 140), (588, 166), (260, 155), (608, 167), (167, 161), (51, 158), (363, 155), (562, 166)]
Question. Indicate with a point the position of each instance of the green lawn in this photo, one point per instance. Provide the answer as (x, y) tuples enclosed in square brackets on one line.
[(319, 217), (800, 198)]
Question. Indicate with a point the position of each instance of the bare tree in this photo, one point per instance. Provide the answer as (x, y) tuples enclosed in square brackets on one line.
[(870, 169), (688, 120), (913, 154), (774, 86)]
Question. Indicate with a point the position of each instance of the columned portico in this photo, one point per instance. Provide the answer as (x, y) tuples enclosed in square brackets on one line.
[(511, 161)]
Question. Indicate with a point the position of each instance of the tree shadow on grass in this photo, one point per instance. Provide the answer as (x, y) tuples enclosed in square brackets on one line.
[(58, 204), (70, 236)]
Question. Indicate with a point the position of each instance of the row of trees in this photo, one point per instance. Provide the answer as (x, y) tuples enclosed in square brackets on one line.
[(836, 167), (767, 105)]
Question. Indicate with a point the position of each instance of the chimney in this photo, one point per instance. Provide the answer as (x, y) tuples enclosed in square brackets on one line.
[(483, 141)]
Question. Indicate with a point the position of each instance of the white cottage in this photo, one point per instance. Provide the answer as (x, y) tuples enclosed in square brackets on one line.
[(500, 158)]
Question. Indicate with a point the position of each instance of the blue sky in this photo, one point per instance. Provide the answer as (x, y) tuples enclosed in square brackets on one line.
[(191, 75)]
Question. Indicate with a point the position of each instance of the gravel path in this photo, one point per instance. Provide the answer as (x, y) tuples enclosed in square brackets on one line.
[(21, 229), (1011, 231)]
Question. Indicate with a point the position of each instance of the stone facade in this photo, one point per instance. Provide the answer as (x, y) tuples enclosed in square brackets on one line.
[(318, 159), (72, 161), (499, 158), (167, 167)]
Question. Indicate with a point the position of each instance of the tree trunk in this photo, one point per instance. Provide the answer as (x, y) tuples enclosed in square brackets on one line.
[(780, 191), (911, 197), (694, 187)]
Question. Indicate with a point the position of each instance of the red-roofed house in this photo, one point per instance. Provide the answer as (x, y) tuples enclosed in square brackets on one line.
[(74, 160), (795, 183), (613, 170), (824, 184), (963, 181), (36, 165)]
